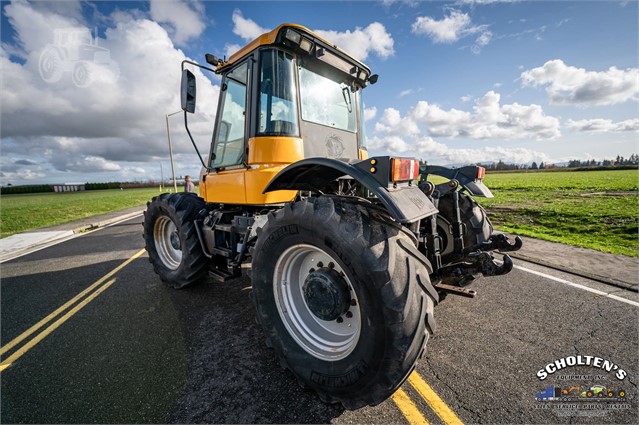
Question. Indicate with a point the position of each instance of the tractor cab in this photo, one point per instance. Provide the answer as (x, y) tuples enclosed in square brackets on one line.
[(286, 96)]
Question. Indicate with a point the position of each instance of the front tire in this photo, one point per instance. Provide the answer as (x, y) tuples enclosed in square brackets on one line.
[(344, 298), (171, 239)]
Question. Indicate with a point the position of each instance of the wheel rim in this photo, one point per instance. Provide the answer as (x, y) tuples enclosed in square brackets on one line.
[(326, 340), (167, 242)]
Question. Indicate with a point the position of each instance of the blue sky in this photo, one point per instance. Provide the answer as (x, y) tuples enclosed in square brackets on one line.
[(460, 81)]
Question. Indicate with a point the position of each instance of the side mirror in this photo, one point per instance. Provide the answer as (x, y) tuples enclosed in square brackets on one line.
[(188, 91)]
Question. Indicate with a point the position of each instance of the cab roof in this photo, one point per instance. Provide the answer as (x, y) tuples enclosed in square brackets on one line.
[(339, 58)]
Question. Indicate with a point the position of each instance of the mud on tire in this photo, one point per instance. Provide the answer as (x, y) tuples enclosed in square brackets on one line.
[(389, 280), (171, 239)]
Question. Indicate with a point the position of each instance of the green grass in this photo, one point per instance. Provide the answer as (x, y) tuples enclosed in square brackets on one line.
[(591, 209), (19, 213)]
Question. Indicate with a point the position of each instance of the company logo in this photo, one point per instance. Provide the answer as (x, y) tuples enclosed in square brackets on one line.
[(334, 146), (578, 392), (593, 361), (583, 394)]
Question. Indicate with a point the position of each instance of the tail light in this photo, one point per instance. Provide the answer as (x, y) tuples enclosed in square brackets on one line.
[(481, 173), (404, 169)]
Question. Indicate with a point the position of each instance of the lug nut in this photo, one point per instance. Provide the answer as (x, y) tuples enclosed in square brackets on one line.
[(353, 302), (311, 270), (339, 319), (320, 264), (349, 314), (331, 265)]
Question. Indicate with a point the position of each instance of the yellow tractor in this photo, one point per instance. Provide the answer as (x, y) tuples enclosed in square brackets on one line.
[(349, 254)]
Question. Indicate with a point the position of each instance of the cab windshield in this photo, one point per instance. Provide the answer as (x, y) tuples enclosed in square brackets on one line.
[(326, 101)]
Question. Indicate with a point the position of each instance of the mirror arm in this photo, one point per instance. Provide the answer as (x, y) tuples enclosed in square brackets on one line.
[(186, 125), (199, 66)]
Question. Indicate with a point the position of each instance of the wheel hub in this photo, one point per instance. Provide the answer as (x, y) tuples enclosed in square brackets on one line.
[(175, 240), (326, 294)]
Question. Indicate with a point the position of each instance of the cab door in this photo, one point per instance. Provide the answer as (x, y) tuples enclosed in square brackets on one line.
[(226, 183)]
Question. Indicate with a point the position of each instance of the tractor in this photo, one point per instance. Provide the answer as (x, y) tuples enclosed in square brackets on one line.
[(347, 254)]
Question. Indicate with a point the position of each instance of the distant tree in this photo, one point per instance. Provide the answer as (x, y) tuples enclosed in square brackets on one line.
[(541, 166), (534, 166)]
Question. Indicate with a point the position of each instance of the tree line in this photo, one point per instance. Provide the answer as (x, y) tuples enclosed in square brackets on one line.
[(44, 188), (619, 161)]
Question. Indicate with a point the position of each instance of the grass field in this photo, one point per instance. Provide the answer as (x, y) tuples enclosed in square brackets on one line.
[(19, 213), (592, 209)]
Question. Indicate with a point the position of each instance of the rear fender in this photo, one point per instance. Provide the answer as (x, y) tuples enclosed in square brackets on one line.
[(406, 203), (466, 176)]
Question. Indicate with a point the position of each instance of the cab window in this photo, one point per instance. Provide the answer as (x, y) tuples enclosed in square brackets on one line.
[(231, 126), (278, 110)]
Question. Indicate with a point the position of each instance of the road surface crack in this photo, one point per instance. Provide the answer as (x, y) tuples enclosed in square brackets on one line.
[(456, 394)]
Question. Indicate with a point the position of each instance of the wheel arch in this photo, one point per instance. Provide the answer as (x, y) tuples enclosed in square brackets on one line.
[(406, 205)]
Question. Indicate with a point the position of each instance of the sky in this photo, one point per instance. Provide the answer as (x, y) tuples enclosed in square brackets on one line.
[(460, 82)]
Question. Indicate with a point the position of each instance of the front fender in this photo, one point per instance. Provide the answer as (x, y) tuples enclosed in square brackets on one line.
[(406, 203)]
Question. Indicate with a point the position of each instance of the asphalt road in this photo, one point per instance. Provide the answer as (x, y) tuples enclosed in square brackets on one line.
[(139, 352)]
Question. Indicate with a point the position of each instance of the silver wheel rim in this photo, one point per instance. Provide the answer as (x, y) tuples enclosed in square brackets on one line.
[(163, 230), (325, 340)]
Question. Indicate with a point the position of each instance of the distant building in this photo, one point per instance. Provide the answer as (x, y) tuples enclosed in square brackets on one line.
[(68, 187)]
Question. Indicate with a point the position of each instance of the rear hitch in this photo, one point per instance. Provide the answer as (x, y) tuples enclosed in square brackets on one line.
[(480, 262), (497, 242)]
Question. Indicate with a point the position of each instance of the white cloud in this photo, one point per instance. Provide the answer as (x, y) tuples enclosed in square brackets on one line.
[(185, 19), (230, 49), (363, 41), (102, 127), (600, 125), (247, 29), (410, 3), (450, 29), (439, 153), (360, 42), (484, 38), (86, 164), (570, 85), (473, 2), (488, 120), (369, 113)]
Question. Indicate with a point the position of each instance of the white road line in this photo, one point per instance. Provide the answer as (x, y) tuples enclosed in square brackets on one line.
[(68, 238), (578, 286)]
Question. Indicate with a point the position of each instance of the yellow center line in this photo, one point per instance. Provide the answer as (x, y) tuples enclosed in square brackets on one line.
[(437, 404), (408, 408), (32, 343), (66, 305)]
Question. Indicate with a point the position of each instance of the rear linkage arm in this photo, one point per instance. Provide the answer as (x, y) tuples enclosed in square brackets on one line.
[(475, 263), (471, 261)]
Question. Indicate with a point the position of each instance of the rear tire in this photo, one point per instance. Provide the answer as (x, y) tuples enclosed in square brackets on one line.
[(391, 305), (171, 239), (477, 226)]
